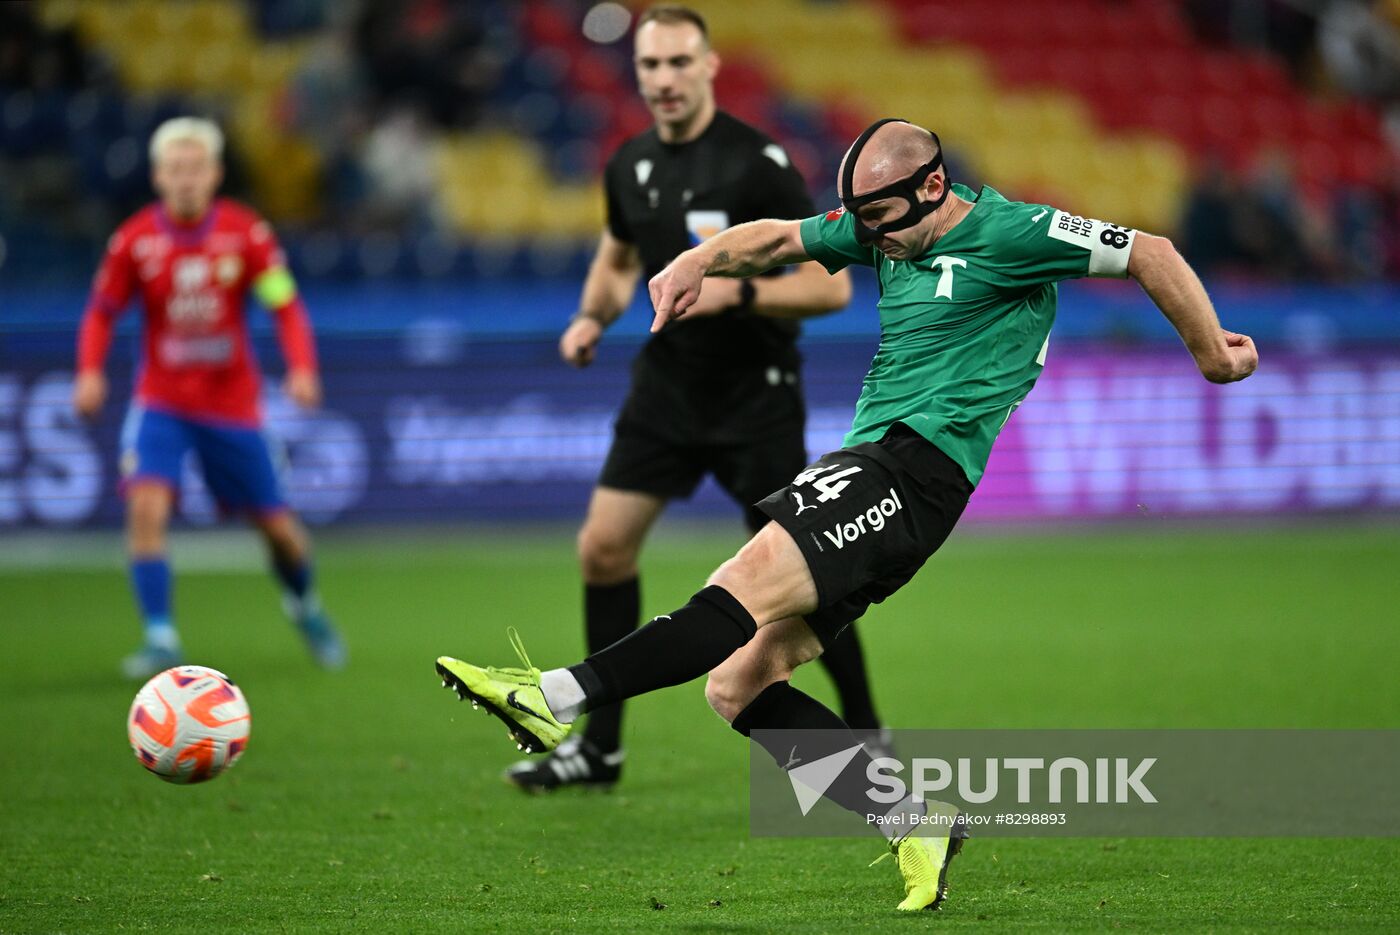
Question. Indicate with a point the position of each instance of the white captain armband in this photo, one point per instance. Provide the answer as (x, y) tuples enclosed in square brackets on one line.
[(1109, 245)]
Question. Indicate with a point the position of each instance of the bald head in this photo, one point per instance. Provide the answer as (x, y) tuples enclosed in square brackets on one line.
[(893, 152)]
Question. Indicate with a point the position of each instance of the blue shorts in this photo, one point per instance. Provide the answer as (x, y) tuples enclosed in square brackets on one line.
[(236, 462)]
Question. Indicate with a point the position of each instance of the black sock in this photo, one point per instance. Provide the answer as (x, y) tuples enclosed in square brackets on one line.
[(780, 707), (610, 612), (671, 649), (845, 663)]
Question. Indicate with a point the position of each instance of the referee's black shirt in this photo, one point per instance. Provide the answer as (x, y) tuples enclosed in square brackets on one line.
[(664, 198)]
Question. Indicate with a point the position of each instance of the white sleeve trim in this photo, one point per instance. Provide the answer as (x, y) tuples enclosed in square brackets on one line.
[(1109, 245)]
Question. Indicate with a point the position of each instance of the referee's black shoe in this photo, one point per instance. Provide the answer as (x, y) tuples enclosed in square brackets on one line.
[(576, 762)]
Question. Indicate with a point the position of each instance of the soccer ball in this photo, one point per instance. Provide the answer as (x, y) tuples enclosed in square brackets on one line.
[(188, 724)]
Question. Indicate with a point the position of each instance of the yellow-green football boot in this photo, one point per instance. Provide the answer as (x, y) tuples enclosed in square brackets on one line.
[(923, 860), (513, 695)]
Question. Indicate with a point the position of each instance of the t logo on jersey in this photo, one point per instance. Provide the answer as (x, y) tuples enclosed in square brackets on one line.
[(702, 225), (945, 280)]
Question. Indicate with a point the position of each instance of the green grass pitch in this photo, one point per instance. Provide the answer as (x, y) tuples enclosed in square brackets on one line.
[(370, 801)]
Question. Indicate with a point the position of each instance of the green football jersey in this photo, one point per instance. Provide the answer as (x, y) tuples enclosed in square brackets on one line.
[(964, 328)]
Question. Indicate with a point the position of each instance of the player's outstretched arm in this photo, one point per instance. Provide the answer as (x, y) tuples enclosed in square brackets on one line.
[(607, 291), (743, 250), (1222, 356)]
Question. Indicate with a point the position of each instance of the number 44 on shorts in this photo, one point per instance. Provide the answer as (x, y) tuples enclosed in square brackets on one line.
[(827, 485)]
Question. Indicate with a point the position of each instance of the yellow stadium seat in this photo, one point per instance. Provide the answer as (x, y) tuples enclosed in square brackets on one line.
[(577, 211), (1042, 140), (287, 187), (496, 185), (216, 67), (213, 19), (207, 48), (171, 21), (733, 23), (156, 69), (61, 14), (98, 23), (143, 19), (833, 25)]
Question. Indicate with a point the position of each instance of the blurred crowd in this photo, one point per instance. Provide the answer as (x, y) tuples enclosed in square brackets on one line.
[(381, 77), (1255, 219), (384, 77), (1259, 222)]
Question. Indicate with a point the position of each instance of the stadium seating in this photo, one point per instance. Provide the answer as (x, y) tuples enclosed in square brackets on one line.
[(497, 185), (207, 52), (1136, 66), (1112, 122)]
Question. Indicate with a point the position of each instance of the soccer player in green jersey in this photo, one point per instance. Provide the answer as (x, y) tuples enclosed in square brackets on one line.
[(967, 299)]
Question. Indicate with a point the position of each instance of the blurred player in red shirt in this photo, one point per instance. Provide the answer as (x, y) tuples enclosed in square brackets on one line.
[(192, 259)]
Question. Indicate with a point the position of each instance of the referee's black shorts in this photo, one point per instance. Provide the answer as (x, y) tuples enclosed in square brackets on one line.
[(867, 518), (644, 459)]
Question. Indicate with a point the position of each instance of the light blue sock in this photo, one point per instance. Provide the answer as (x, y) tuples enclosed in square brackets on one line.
[(298, 588)]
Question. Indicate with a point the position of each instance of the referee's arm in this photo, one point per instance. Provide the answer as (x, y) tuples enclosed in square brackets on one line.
[(607, 291), (806, 291)]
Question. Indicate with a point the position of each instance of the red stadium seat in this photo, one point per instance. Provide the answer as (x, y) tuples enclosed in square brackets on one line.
[(1137, 64)]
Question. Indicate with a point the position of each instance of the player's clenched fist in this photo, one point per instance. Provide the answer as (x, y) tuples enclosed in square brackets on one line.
[(579, 343), (89, 393), (1241, 359)]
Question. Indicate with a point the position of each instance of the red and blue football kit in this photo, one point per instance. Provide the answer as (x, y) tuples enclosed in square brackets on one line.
[(198, 383)]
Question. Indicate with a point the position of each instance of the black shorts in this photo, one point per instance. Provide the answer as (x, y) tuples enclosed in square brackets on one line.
[(646, 461), (867, 518)]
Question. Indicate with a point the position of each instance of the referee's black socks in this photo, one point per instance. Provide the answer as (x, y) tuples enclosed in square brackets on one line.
[(670, 650), (610, 612), (844, 661)]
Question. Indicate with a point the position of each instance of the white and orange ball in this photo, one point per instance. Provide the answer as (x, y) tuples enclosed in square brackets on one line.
[(188, 724)]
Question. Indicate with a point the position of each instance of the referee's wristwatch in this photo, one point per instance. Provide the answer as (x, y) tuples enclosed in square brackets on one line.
[(747, 292)]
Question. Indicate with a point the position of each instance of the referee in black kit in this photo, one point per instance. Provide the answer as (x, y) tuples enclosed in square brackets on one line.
[(716, 393)]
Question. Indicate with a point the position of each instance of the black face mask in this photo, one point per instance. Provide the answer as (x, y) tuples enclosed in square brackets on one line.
[(906, 188)]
